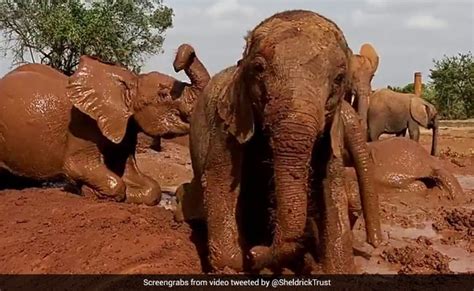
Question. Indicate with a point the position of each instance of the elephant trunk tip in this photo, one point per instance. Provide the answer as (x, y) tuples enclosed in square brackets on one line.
[(184, 57)]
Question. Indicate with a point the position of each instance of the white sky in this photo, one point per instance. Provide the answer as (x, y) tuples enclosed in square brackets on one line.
[(407, 34)]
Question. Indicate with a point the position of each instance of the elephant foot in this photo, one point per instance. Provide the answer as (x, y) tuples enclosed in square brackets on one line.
[(228, 264), (189, 203), (261, 257), (142, 190), (90, 192), (363, 249)]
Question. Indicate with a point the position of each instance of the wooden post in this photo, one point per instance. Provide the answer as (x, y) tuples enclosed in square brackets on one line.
[(418, 84)]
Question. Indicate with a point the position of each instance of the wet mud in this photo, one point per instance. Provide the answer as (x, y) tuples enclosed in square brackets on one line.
[(48, 230)]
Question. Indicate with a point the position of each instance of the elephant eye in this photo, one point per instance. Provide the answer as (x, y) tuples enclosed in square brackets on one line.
[(258, 65), (339, 79)]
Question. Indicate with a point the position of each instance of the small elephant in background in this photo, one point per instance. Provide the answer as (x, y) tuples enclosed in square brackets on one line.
[(403, 165), (393, 113), (362, 68), (84, 127)]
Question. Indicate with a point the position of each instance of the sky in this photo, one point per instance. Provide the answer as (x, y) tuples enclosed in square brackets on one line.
[(407, 34)]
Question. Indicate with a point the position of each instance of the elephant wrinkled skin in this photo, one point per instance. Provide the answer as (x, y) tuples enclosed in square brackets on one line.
[(267, 133), (393, 112), (85, 126)]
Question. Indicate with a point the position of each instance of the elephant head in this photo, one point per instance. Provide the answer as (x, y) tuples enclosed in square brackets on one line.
[(363, 67), (291, 80), (426, 115), (111, 95)]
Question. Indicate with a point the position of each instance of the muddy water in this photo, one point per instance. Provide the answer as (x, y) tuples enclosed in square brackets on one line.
[(461, 260), (466, 181)]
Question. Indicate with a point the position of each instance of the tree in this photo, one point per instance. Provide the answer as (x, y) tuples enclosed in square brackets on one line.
[(453, 81), (57, 33)]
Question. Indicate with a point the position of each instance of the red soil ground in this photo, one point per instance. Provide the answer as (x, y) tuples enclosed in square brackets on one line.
[(47, 230)]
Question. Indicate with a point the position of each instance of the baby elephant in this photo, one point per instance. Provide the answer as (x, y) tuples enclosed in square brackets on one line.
[(84, 127), (402, 164)]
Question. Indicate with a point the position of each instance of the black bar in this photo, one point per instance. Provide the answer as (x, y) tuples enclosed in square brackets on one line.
[(214, 282)]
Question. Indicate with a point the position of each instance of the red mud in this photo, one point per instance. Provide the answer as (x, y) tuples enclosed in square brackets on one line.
[(47, 230)]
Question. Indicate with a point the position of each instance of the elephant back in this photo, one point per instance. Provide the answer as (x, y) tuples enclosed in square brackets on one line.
[(34, 118), (387, 100)]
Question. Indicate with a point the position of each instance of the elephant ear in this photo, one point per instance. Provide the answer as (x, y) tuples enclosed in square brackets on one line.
[(235, 109), (104, 92), (337, 137), (419, 111), (368, 51)]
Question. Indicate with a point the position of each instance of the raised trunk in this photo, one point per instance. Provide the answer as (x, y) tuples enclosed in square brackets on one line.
[(292, 141), (357, 146), (199, 77), (197, 74), (434, 142)]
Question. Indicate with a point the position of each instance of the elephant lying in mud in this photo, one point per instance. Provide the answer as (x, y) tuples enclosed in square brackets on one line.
[(393, 112), (85, 126), (403, 165), (267, 134)]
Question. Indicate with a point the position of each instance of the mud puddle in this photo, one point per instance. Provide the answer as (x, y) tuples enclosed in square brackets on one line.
[(425, 240), (466, 181)]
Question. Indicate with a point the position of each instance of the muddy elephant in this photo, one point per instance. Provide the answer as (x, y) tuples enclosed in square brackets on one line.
[(393, 112), (271, 126), (85, 127), (403, 165), (39, 68), (363, 67)]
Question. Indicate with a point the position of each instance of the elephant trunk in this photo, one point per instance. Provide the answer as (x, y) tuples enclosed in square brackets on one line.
[(359, 151), (198, 74), (199, 77), (434, 142), (362, 97), (292, 142)]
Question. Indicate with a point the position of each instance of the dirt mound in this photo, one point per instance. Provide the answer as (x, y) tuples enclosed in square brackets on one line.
[(417, 259), (456, 226), (456, 219), (50, 231)]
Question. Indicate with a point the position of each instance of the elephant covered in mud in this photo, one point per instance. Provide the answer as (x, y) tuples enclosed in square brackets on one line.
[(362, 67), (403, 165), (84, 127), (267, 134), (393, 112)]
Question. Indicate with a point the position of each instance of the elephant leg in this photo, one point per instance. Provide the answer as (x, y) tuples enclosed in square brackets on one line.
[(189, 198), (414, 131), (374, 132), (88, 168), (141, 189), (156, 144), (336, 236), (221, 188), (402, 133)]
